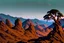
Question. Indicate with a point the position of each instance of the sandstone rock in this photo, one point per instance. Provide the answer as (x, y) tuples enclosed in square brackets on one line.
[(8, 23)]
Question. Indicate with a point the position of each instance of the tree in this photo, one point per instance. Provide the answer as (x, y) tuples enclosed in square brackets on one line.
[(52, 14)]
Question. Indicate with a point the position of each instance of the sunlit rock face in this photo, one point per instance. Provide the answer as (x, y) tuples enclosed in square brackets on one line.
[(15, 34), (18, 26)]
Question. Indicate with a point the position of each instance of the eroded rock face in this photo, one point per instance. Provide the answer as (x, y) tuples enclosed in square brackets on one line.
[(2, 26), (18, 26), (8, 23), (18, 34), (56, 36), (31, 32), (27, 23), (18, 22)]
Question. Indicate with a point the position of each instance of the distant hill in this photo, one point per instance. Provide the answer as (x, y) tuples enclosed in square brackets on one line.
[(62, 22), (12, 19)]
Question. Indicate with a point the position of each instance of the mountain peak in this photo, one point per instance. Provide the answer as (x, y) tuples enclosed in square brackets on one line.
[(1, 22), (2, 26), (18, 26), (18, 22), (27, 23), (28, 20), (8, 23)]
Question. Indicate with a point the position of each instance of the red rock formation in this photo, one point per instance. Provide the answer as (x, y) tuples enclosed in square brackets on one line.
[(9, 35), (20, 30), (2, 27), (7, 30), (8, 23), (18, 26), (27, 23), (39, 27), (31, 32), (44, 33)]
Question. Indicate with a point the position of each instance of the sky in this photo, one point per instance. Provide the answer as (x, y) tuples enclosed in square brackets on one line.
[(30, 8)]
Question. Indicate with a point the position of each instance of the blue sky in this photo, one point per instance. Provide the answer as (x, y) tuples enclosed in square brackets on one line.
[(30, 8)]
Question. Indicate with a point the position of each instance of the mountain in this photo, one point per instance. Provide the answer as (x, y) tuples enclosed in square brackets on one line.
[(17, 34), (31, 32), (8, 23), (26, 23), (62, 22), (18, 26), (12, 19), (51, 26), (39, 27), (55, 36), (2, 26), (1, 18), (39, 21)]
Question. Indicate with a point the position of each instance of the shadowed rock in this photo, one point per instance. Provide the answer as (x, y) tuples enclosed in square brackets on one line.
[(2, 27), (18, 23), (19, 35), (31, 32), (18, 26), (8, 23), (27, 23)]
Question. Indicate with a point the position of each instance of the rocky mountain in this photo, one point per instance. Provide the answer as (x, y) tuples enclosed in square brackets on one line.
[(19, 30), (37, 26), (55, 36), (8, 23), (26, 23), (17, 34), (3, 17), (12, 19)]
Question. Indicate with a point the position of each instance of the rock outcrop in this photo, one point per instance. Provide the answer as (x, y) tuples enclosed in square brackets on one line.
[(17, 34), (27, 23), (31, 32), (2, 27), (18, 25), (8, 23)]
